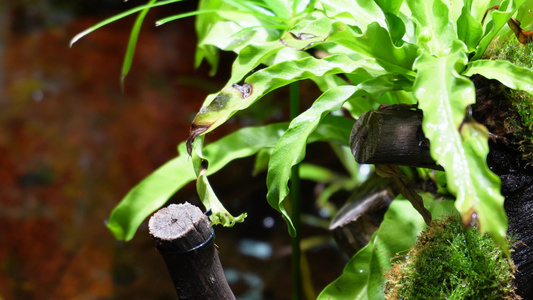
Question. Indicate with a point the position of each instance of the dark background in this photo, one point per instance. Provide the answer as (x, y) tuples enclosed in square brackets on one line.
[(72, 144)]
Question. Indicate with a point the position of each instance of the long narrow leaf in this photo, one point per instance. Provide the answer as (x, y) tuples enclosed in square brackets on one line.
[(290, 149), (231, 99), (203, 26), (132, 43), (149, 195), (207, 11), (154, 191), (219, 214), (118, 17), (443, 95)]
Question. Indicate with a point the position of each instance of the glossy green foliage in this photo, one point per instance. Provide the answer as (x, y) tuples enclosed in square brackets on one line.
[(511, 75), (498, 20), (219, 214), (374, 52), (469, 29), (363, 275), (132, 43), (461, 150), (435, 30), (230, 100), (423, 40), (238, 24), (151, 193), (290, 148)]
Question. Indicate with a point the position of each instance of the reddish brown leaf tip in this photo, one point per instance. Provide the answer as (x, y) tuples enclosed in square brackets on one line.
[(487, 11), (195, 132)]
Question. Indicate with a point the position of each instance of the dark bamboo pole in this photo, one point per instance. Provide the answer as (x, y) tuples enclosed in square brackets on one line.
[(185, 240), (393, 137), (362, 214)]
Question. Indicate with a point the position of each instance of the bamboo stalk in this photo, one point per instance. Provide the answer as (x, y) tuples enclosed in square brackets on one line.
[(185, 239)]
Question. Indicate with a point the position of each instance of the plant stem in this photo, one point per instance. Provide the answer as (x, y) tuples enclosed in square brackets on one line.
[(295, 202)]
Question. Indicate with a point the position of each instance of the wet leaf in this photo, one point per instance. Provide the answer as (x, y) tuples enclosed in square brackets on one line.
[(229, 100), (443, 95), (396, 29), (204, 24), (290, 149), (149, 195), (235, 25), (434, 29)]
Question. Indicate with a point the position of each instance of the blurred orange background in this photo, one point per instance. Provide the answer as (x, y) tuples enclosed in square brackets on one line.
[(72, 144)]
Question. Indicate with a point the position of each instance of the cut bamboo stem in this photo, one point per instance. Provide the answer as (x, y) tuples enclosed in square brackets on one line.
[(185, 240)]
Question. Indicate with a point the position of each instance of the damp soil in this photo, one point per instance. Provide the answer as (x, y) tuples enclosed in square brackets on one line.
[(495, 111)]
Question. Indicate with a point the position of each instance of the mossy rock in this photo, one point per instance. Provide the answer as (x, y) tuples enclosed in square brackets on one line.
[(518, 123), (450, 261)]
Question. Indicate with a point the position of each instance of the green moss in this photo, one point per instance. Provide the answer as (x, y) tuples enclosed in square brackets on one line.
[(450, 261), (508, 48), (521, 118)]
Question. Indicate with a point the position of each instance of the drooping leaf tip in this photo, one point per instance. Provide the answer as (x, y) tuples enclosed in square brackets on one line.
[(79, 36), (117, 231), (193, 134)]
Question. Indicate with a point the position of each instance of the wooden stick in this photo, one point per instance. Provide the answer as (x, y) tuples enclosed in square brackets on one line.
[(393, 137), (185, 240), (362, 214)]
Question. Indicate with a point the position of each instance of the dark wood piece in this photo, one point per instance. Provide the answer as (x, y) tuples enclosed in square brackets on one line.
[(184, 238), (393, 137), (362, 214)]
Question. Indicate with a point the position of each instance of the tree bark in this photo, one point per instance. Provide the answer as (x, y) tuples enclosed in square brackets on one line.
[(185, 240)]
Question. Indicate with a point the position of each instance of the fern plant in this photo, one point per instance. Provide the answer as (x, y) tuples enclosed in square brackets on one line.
[(373, 53)]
